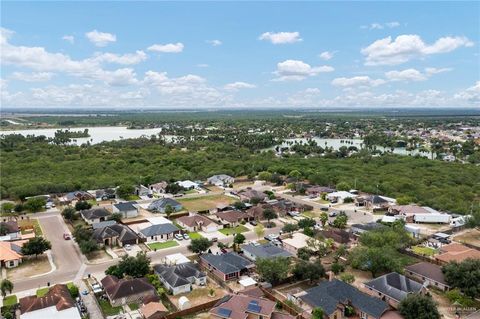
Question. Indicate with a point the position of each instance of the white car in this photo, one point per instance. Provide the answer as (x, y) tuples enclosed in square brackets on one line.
[(127, 247), (273, 236), (186, 237), (178, 237)]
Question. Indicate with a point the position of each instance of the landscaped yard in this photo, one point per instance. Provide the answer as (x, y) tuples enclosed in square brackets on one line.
[(167, 244), (25, 224), (205, 202), (424, 251), (195, 235), (234, 230), (10, 300), (42, 291), (133, 306), (107, 309)]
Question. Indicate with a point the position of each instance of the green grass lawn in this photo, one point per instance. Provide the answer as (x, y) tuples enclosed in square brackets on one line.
[(195, 235), (235, 230), (42, 291), (133, 306), (107, 309), (167, 244), (422, 250), (10, 300)]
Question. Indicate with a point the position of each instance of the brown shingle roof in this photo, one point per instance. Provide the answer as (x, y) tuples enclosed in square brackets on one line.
[(231, 216), (457, 252), (153, 310), (428, 270), (238, 305), (57, 296), (195, 220), (119, 288)]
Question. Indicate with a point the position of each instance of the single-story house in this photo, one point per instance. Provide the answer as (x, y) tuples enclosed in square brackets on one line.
[(188, 184), (318, 190), (160, 205), (77, 195), (242, 306), (179, 278), (456, 252), (116, 234), (10, 254), (127, 209), (196, 222), (9, 231), (419, 214), (297, 241), (142, 190), (221, 180), (282, 207), (339, 196), (393, 288), (105, 194), (95, 215), (231, 217), (226, 266), (255, 212), (103, 224), (267, 250), (158, 188), (153, 310), (158, 232), (57, 303), (248, 194), (335, 296), (375, 202), (126, 291), (428, 273)]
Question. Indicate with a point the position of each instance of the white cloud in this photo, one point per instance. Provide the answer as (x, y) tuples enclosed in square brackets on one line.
[(32, 77), (69, 38), (100, 39), (295, 70), (393, 24), (432, 71), (235, 86), (380, 26), (405, 75), (202, 65), (281, 37), (125, 59), (408, 46), (167, 48), (326, 55), (214, 43), (471, 94), (361, 81), (5, 35)]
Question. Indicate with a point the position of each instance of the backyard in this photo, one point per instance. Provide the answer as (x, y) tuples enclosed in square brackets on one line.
[(107, 309), (424, 251), (234, 230), (205, 202), (158, 246)]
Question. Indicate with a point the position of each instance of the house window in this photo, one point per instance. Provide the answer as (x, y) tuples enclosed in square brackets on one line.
[(12, 263)]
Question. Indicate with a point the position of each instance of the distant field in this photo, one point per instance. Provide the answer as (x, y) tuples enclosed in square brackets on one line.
[(205, 202)]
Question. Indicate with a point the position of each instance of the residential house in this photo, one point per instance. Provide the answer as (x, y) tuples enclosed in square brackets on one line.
[(358, 229), (419, 214), (9, 231), (95, 215), (377, 202), (196, 222), (180, 278), (318, 190), (242, 306), (103, 224), (338, 235), (105, 194), (456, 252), (293, 244), (255, 212), (336, 298), (142, 191), (77, 196), (428, 273), (339, 196), (158, 188), (221, 180), (10, 254), (256, 251), (226, 266), (160, 205), (188, 184), (57, 303), (393, 288), (249, 194), (116, 234), (282, 207), (231, 218), (126, 209), (127, 291), (158, 232), (153, 310)]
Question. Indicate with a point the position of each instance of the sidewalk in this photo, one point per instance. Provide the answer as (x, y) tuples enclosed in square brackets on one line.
[(89, 300)]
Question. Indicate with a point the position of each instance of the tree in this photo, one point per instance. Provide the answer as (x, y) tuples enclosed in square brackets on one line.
[(304, 253), (309, 231), (465, 276), (6, 286), (417, 306), (289, 228), (239, 205), (82, 204), (273, 270), (269, 214), (318, 313), (169, 210), (306, 222), (136, 267), (116, 217), (308, 270), (19, 208), (124, 191), (199, 245), (347, 277), (35, 204), (4, 229), (36, 246), (239, 239), (174, 188), (340, 221), (375, 259), (295, 174), (7, 208), (69, 213), (396, 237), (323, 218), (337, 268), (343, 186), (317, 246), (87, 246), (265, 176), (259, 230)]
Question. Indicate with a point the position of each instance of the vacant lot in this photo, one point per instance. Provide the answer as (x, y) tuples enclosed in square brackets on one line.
[(167, 244), (30, 267), (27, 224), (205, 202), (235, 230), (469, 236)]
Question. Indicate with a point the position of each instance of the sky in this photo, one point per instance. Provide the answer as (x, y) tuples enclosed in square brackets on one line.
[(191, 55)]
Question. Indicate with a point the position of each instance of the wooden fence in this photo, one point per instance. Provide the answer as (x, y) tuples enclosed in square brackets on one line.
[(192, 310)]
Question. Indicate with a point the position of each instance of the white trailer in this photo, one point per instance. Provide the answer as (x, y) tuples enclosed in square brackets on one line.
[(432, 218)]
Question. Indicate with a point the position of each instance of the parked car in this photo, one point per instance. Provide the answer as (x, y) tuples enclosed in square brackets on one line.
[(178, 237), (67, 236), (277, 242), (253, 223), (324, 209), (127, 247), (333, 214), (186, 237), (273, 236), (214, 239), (294, 214)]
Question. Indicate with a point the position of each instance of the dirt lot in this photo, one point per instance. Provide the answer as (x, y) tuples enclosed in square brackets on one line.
[(30, 267), (200, 295), (205, 202), (469, 236)]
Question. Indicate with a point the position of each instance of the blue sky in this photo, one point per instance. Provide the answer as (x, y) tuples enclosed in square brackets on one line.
[(240, 54)]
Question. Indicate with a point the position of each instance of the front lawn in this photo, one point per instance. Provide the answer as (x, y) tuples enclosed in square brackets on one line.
[(424, 251), (235, 230), (29, 224), (107, 308), (133, 306), (195, 235), (167, 244), (42, 291), (9, 300)]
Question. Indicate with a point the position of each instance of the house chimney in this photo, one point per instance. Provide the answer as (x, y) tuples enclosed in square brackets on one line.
[(331, 275)]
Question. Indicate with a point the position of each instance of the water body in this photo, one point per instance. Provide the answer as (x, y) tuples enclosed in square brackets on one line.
[(98, 134), (336, 143)]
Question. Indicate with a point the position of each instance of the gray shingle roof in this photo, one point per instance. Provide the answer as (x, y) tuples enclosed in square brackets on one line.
[(159, 229), (227, 263), (267, 250), (95, 213), (394, 285), (126, 206), (162, 204), (328, 294), (428, 270), (123, 233), (176, 275)]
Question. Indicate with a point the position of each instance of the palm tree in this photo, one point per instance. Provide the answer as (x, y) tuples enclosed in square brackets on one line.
[(6, 285)]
